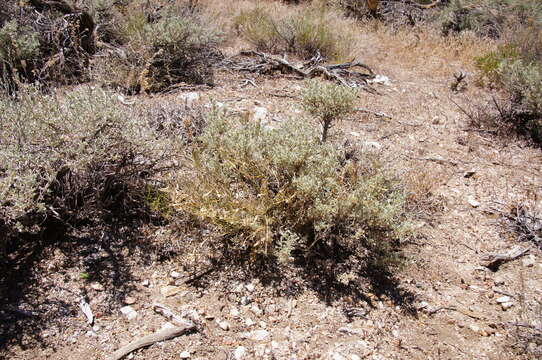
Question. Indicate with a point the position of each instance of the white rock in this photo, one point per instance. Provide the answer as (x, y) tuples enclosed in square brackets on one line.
[(256, 335), (97, 286), (234, 313), (356, 134), (175, 274), (129, 300), (474, 328), (528, 261), (259, 350), (91, 333), (380, 79), (473, 202), (373, 145), (507, 305), (354, 357), (245, 300), (258, 113), (250, 287), (337, 356), (256, 310), (263, 324), (224, 325), (239, 353), (169, 290), (498, 281), (145, 283), (249, 322), (348, 331), (95, 328), (129, 312), (503, 299), (184, 355), (189, 99)]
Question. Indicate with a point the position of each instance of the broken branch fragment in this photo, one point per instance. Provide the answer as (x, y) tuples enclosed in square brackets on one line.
[(160, 335), (493, 261)]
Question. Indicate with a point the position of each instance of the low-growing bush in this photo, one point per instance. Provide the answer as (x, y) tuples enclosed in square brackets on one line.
[(174, 47), (328, 102), (72, 159), (304, 32), (278, 193)]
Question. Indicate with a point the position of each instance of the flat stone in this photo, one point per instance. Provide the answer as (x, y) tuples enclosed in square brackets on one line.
[(175, 274), (503, 299), (256, 310), (128, 312), (184, 355), (239, 352), (129, 300), (234, 313), (473, 202), (256, 335), (169, 290), (507, 305), (97, 286), (528, 261), (224, 325), (189, 99)]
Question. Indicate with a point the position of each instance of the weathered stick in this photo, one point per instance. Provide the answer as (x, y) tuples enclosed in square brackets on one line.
[(493, 261), (170, 315), (160, 335)]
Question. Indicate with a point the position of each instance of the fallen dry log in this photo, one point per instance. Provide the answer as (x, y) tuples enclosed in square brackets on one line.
[(268, 64)]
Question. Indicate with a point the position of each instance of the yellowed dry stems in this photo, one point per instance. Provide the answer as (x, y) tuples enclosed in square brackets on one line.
[(372, 5)]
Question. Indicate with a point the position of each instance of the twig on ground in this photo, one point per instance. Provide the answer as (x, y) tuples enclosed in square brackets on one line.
[(377, 114), (493, 261), (160, 335), (170, 315), (340, 73)]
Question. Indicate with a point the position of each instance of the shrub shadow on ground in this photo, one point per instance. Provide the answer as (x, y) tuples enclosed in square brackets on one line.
[(37, 287)]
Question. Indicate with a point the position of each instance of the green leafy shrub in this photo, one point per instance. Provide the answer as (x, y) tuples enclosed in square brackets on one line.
[(75, 159), (281, 192), (304, 32), (328, 102)]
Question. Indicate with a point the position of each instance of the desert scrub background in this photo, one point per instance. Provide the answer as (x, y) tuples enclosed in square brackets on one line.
[(160, 48), (311, 29), (281, 192), (76, 158)]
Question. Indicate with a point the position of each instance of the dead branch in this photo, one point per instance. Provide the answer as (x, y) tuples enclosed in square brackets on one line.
[(377, 114), (170, 315), (493, 261), (340, 73), (160, 335)]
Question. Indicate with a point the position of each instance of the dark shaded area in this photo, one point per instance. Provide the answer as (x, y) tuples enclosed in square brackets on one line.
[(99, 251), (321, 272)]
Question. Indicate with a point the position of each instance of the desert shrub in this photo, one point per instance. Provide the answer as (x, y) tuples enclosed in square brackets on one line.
[(328, 102), (489, 18), (79, 158), (303, 32), (281, 192), (173, 48), (49, 42), (516, 68)]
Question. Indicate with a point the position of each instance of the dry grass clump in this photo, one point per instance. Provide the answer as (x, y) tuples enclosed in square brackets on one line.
[(281, 192), (80, 158), (304, 31)]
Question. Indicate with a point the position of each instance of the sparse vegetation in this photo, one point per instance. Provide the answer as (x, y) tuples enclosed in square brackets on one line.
[(314, 29), (328, 103), (268, 190), (72, 160)]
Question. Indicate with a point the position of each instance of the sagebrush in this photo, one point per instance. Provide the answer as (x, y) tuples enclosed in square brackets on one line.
[(282, 192)]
